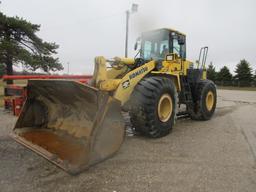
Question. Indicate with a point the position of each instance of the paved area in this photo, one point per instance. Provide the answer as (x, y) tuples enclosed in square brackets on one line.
[(216, 155)]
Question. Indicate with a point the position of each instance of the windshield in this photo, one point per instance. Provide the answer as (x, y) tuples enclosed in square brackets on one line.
[(155, 46), (155, 49)]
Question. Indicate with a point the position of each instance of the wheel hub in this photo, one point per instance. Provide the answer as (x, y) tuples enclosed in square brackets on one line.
[(209, 100), (164, 108)]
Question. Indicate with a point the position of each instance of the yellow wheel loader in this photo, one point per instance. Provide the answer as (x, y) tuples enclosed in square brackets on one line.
[(76, 125)]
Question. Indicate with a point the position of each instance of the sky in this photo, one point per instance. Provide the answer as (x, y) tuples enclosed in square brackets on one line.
[(87, 28)]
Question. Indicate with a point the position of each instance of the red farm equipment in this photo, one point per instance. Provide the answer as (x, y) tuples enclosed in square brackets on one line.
[(15, 95)]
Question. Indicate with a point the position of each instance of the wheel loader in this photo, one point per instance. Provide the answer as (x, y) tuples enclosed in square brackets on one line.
[(76, 125)]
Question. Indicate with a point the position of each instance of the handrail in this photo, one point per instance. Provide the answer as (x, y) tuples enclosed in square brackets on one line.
[(202, 57)]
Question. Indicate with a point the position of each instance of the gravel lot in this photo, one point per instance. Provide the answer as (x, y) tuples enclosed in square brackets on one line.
[(216, 155)]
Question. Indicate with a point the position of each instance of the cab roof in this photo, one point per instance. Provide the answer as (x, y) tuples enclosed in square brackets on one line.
[(165, 29)]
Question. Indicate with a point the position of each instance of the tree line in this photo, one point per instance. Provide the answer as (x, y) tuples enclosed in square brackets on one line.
[(244, 75)]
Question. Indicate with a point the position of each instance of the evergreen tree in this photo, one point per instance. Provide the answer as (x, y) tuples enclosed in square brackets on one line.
[(211, 73), (19, 44), (244, 73), (224, 74)]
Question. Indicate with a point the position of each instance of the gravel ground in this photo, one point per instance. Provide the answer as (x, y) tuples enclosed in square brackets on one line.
[(215, 155)]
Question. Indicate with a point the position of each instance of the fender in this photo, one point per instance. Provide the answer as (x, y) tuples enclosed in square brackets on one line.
[(130, 80)]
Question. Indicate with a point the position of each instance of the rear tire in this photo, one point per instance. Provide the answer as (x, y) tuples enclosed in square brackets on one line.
[(206, 99), (153, 106)]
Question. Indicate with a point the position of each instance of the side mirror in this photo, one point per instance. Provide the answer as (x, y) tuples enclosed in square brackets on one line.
[(137, 43), (135, 46), (181, 40)]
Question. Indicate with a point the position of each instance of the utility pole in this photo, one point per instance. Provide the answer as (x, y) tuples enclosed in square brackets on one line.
[(127, 32), (134, 9)]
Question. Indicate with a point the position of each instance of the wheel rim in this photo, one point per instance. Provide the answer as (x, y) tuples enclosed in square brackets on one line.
[(209, 100), (164, 108)]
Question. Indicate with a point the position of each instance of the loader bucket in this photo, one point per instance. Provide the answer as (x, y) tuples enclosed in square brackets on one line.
[(71, 124)]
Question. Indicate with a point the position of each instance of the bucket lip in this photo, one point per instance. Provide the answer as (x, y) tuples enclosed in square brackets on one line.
[(73, 170)]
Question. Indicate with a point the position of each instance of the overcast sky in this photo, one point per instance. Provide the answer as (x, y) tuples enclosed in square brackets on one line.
[(88, 28)]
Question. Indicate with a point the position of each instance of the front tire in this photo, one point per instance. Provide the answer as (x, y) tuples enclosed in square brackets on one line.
[(153, 106)]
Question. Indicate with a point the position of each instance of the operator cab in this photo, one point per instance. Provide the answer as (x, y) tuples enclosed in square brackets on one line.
[(159, 43)]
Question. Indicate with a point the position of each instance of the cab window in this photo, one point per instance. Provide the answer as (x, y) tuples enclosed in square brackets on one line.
[(155, 49), (176, 46), (147, 49), (164, 48)]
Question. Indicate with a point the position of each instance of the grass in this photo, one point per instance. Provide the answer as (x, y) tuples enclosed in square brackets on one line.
[(2, 84), (237, 88)]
